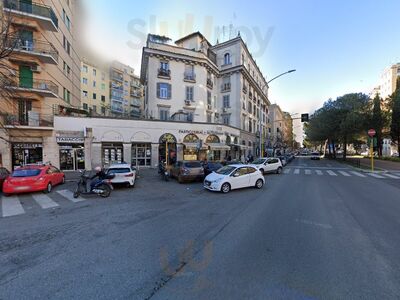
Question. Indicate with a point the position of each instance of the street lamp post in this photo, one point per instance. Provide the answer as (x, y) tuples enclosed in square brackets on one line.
[(261, 127)]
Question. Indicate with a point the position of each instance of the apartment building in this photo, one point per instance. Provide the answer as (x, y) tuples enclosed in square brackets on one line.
[(193, 81), (45, 75), (126, 91), (276, 131), (95, 87), (388, 79)]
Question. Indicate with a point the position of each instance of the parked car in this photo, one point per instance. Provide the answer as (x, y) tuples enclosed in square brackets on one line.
[(33, 179), (210, 167), (234, 177), (4, 173), (124, 174), (395, 154), (187, 171), (315, 156), (268, 165), (233, 162)]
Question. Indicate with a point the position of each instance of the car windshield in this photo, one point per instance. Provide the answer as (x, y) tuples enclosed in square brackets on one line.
[(192, 164), (214, 165), (26, 173), (118, 171), (225, 170), (259, 161)]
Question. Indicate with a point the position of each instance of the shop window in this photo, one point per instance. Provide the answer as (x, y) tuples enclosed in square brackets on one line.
[(211, 139), (141, 154)]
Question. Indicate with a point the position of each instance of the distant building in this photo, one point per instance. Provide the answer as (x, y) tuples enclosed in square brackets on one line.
[(388, 79)]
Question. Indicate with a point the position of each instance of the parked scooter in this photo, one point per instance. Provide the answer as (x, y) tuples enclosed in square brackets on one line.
[(102, 188)]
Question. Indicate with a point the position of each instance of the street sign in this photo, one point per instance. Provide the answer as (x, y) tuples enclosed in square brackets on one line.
[(371, 132)]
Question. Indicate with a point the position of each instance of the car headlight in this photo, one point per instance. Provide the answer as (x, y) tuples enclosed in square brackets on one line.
[(217, 180)]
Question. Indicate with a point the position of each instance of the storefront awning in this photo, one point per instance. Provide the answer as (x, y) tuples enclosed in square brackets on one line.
[(243, 147), (218, 146), (191, 146)]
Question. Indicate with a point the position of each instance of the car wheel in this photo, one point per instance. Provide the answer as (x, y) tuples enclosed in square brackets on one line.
[(259, 183), (48, 188), (279, 170), (226, 188)]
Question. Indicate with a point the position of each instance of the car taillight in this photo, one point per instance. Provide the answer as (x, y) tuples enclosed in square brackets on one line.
[(129, 175)]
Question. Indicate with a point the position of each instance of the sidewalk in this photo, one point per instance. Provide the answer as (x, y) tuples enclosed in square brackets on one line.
[(71, 176), (382, 165)]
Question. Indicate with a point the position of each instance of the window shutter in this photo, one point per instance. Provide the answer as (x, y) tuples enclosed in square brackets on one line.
[(169, 91), (158, 90)]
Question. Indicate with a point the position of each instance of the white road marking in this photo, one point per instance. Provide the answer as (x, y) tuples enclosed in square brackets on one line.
[(70, 196), (319, 172), (308, 172), (391, 176), (297, 172), (308, 222), (331, 173), (44, 201), (357, 174), (286, 171), (11, 206), (344, 173), (375, 175)]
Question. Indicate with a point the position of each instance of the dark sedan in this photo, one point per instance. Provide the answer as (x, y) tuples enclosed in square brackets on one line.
[(210, 167)]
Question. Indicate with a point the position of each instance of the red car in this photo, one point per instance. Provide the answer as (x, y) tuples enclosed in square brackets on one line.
[(33, 179), (3, 175)]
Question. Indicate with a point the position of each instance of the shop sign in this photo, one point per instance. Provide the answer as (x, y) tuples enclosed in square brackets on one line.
[(70, 140), (26, 146), (204, 132)]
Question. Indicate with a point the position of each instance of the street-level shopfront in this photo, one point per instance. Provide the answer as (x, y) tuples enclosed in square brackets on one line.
[(144, 143), (71, 153), (26, 153)]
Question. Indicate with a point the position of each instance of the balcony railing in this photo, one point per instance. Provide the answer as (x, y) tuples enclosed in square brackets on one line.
[(136, 94), (35, 47), (210, 84), (33, 85), (33, 8), (164, 73), (32, 119), (136, 102), (226, 87), (117, 77), (189, 76)]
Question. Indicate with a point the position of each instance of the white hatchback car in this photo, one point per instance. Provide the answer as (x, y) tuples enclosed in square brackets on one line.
[(124, 174), (268, 165), (234, 177)]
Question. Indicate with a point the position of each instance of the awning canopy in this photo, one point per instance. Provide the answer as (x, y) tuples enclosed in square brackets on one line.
[(243, 147), (194, 146), (218, 146)]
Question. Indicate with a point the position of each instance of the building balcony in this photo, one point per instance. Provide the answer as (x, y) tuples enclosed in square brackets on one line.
[(245, 89), (210, 84), (116, 108), (117, 98), (42, 14), (136, 103), (135, 85), (41, 87), (135, 113), (136, 94), (117, 77), (32, 120), (164, 73), (41, 50), (189, 76), (226, 87)]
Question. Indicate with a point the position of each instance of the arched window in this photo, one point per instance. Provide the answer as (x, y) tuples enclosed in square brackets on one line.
[(212, 139), (228, 140), (191, 138), (235, 141), (167, 137), (249, 144), (244, 143), (227, 59)]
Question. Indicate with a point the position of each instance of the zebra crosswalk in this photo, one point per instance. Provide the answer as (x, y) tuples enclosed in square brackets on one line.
[(337, 172), (13, 206)]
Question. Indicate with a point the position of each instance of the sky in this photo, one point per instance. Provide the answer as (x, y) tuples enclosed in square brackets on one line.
[(336, 46)]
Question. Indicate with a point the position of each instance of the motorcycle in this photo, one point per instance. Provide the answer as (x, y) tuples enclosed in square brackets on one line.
[(102, 188), (163, 171)]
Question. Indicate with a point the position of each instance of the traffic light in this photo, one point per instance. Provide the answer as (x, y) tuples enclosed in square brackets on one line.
[(304, 118)]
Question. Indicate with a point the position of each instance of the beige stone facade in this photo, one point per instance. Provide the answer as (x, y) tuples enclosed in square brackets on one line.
[(45, 64)]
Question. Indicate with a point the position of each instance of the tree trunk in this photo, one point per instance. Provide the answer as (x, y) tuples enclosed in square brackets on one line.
[(345, 148), (334, 149)]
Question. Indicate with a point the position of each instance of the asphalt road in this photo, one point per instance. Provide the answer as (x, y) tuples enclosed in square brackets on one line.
[(308, 234)]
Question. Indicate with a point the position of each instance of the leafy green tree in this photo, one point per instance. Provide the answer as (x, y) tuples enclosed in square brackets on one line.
[(395, 124)]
